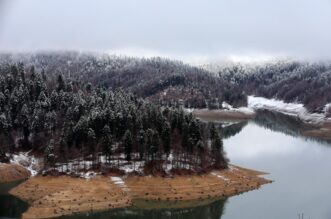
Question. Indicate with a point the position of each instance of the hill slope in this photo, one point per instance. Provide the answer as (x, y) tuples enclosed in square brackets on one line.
[(158, 79)]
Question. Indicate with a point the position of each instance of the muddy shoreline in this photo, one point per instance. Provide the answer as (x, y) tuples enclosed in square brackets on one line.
[(322, 131), (212, 115), (50, 196)]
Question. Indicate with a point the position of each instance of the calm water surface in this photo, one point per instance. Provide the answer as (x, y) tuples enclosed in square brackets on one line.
[(10, 207), (299, 166)]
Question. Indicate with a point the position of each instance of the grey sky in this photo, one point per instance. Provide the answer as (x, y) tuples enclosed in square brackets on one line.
[(186, 29)]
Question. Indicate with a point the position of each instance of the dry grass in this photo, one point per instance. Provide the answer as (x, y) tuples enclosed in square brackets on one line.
[(56, 196), (188, 188)]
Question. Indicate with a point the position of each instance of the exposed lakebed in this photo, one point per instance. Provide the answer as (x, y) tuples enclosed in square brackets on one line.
[(300, 168)]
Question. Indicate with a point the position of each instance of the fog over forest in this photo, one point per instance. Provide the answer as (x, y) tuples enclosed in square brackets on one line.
[(193, 31)]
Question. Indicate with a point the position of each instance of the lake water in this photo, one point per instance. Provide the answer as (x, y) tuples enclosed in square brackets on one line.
[(300, 169), (10, 206)]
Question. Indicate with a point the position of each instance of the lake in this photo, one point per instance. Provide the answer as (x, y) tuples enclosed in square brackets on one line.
[(300, 168), (10, 206)]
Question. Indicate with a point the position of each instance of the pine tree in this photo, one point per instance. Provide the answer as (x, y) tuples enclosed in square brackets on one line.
[(49, 156), (217, 149), (60, 83), (141, 143), (166, 138), (91, 141), (128, 144), (106, 142), (21, 71)]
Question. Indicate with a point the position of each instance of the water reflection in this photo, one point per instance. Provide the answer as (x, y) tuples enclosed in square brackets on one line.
[(286, 124), (280, 122), (213, 210), (300, 168), (230, 130)]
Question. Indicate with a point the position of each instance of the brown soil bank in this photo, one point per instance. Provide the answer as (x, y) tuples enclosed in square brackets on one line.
[(12, 172), (222, 114), (322, 132), (56, 196)]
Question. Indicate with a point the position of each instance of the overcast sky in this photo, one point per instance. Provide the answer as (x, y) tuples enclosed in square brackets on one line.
[(184, 29)]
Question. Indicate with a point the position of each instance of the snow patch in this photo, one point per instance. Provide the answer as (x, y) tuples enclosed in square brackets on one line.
[(188, 110), (119, 182), (169, 163), (327, 109), (276, 105), (88, 175), (225, 105), (28, 161), (292, 109), (220, 176), (245, 110)]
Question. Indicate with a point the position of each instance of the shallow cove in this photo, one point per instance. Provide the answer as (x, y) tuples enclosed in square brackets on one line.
[(10, 206)]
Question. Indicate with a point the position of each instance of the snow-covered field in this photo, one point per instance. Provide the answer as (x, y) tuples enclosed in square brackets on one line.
[(293, 109)]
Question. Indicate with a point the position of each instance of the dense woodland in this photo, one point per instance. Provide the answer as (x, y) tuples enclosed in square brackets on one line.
[(307, 83), (71, 122), (160, 80)]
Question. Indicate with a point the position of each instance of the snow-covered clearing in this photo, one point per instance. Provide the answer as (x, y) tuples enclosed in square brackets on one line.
[(293, 109)]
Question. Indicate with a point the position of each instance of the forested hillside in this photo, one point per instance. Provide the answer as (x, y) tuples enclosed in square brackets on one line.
[(172, 82), (79, 125), (291, 81), (160, 80)]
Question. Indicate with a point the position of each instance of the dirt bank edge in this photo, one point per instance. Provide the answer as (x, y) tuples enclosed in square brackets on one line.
[(56, 196), (13, 172)]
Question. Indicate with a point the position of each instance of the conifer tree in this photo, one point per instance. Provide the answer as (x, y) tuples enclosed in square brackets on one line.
[(128, 143)]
